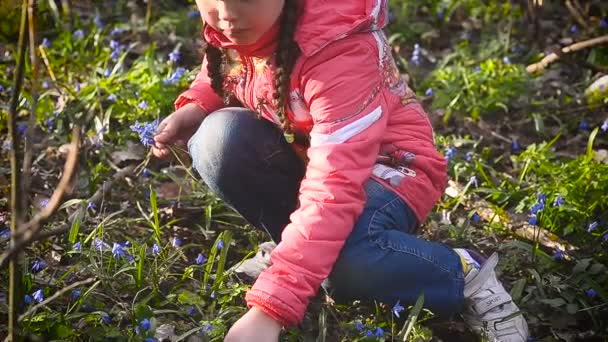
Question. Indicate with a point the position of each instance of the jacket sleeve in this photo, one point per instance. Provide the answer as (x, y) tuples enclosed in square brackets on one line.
[(342, 87), (201, 93)]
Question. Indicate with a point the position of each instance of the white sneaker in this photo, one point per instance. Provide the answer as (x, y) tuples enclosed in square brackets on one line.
[(490, 310)]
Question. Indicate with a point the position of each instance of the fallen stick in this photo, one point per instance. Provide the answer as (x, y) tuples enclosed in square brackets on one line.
[(554, 56)]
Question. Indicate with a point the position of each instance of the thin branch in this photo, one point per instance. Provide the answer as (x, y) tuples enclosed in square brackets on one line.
[(55, 296), (572, 8), (15, 297), (544, 63)]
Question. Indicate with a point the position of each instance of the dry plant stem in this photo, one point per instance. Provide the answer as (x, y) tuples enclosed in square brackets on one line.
[(544, 63), (56, 295), (573, 9), (15, 296), (27, 146)]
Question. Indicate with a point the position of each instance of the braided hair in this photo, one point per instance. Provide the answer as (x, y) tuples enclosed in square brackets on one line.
[(285, 58)]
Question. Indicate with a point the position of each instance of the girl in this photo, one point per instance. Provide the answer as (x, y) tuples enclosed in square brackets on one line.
[(300, 121)]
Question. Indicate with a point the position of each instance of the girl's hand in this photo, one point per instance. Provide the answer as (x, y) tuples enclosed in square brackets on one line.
[(256, 326), (176, 129)]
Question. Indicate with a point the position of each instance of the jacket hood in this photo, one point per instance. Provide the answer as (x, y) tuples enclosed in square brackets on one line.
[(320, 23)]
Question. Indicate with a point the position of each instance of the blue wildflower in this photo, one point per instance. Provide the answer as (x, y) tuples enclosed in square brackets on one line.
[(156, 249), (77, 247), (476, 218), (145, 173), (559, 201), (77, 86), (45, 85), (130, 258), (177, 242), (145, 324), (76, 294), (604, 126), (450, 153), (429, 92), (78, 34), (605, 237), (212, 295), (379, 332), (100, 245), (574, 29), (473, 180), (45, 43), (107, 72), (127, 243), (440, 15), (533, 220), (369, 333), (50, 123), (397, 309), (194, 14), (38, 266), (591, 293), (559, 255), (106, 319), (98, 22), (359, 325), (584, 125), (592, 227), (515, 146), (468, 156), (1, 88), (603, 23), (506, 60), (146, 131), (207, 328), (112, 98), (416, 55), (477, 68), (115, 54), (542, 198), (175, 76), (537, 207), (200, 259), (38, 296), (91, 206), (27, 299), (220, 245), (21, 128), (117, 31), (191, 311), (5, 233), (174, 56), (143, 105), (44, 202), (118, 251), (114, 45)]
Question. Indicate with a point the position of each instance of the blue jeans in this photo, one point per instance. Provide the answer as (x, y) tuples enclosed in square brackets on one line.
[(247, 162)]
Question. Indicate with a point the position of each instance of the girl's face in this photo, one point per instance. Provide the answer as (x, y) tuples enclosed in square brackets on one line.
[(241, 21)]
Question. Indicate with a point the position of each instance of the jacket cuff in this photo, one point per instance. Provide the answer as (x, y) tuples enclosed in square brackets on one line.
[(273, 307)]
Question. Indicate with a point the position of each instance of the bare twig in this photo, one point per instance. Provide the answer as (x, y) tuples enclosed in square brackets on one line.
[(56, 295), (572, 8), (14, 290), (544, 63)]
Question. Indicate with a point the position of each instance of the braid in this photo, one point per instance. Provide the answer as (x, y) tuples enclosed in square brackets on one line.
[(285, 59), (215, 63)]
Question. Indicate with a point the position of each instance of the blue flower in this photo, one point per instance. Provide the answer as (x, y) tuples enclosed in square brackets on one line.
[(44, 202), (114, 45), (117, 31), (106, 319), (115, 54), (78, 34), (77, 85), (127, 243), (38, 266), (473, 181), (191, 311), (177, 242), (50, 124), (112, 98), (591, 293), (604, 126), (359, 325), (559, 201), (21, 128), (450, 153), (369, 333), (145, 173), (605, 237), (98, 22), (76, 294), (440, 15), (145, 324), (156, 249), (220, 245), (118, 251), (77, 247), (212, 295), (45, 85), (537, 207), (592, 227), (379, 332), (506, 60), (194, 14), (559, 255), (584, 125), (542, 198), (91, 206), (429, 92), (107, 72), (533, 220), (45, 43), (100, 245), (397, 309), (146, 131), (477, 68), (175, 77), (468, 156), (207, 328), (38, 296), (143, 104), (5, 233), (475, 218), (574, 29), (200, 259), (27, 299), (1, 88), (603, 23), (515, 146), (174, 56), (416, 55)]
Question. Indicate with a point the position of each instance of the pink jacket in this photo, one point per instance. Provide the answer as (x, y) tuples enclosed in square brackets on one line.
[(363, 121)]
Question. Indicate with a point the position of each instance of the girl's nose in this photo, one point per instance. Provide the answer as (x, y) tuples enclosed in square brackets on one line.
[(226, 12)]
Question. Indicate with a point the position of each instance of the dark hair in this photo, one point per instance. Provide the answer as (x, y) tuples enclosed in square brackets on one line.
[(285, 58)]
